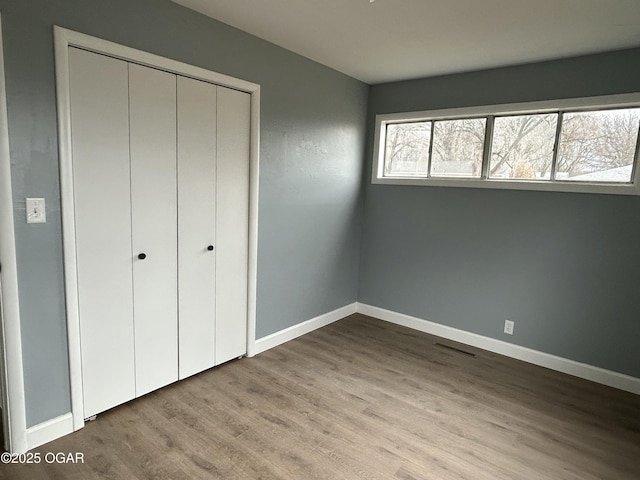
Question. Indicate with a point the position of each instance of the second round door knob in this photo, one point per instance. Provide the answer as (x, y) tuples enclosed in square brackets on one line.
[(210, 247), (142, 256)]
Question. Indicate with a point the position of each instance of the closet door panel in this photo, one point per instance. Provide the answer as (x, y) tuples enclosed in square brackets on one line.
[(100, 152), (154, 230), (232, 234), (196, 224)]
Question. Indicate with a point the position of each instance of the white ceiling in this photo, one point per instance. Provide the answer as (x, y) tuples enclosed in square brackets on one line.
[(388, 40)]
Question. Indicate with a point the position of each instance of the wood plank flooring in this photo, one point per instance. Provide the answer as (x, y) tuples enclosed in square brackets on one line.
[(362, 399)]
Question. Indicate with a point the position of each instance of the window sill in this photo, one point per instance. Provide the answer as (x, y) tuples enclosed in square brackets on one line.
[(542, 186)]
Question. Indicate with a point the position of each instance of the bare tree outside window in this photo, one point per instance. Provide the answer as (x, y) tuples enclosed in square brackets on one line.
[(598, 146), (407, 149), (577, 148), (522, 147), (457, 147)]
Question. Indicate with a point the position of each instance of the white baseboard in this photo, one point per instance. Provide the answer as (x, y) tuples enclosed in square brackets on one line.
[(564, 365), (63, 425), (295, 331), (48, 431)]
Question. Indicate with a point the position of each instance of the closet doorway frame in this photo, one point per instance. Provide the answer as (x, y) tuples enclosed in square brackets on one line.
[(12, 372), (63, 40)]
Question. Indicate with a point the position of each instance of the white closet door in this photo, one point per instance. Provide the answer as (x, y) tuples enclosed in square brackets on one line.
[(154, 230), (232, 220), (100, 152), (196, 224)]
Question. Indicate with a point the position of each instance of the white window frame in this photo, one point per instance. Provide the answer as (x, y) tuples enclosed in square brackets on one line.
[(575, 104)]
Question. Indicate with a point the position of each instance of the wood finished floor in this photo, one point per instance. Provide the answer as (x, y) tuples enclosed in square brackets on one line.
[(362, 399)]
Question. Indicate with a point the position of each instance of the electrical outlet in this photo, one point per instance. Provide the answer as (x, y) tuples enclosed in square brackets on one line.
[(36, 212), (508, 327)]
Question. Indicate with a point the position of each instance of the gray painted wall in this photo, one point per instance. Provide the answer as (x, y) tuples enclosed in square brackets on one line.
[(312, 128), (564, 267)]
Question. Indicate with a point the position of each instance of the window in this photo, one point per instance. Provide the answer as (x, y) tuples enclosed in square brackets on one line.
[(522, 147), (598, 146), (457, 148), (407, 149), (580, 145)]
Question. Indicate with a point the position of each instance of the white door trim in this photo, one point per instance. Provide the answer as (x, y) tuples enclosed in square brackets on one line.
[(63, 39), (14, 410)]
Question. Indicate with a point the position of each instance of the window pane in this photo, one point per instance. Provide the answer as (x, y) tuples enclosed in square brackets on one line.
[(457, 148), (522, 146), (598, 146), (407, 149)]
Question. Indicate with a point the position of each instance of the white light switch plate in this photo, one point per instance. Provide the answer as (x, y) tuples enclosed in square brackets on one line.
[(36, 212)]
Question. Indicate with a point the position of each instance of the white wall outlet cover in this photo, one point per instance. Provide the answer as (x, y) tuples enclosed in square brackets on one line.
[(508, 327), (35, 209)]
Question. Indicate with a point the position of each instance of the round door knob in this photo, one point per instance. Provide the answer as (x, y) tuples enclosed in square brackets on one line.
[(142, 256), (210, 247)]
